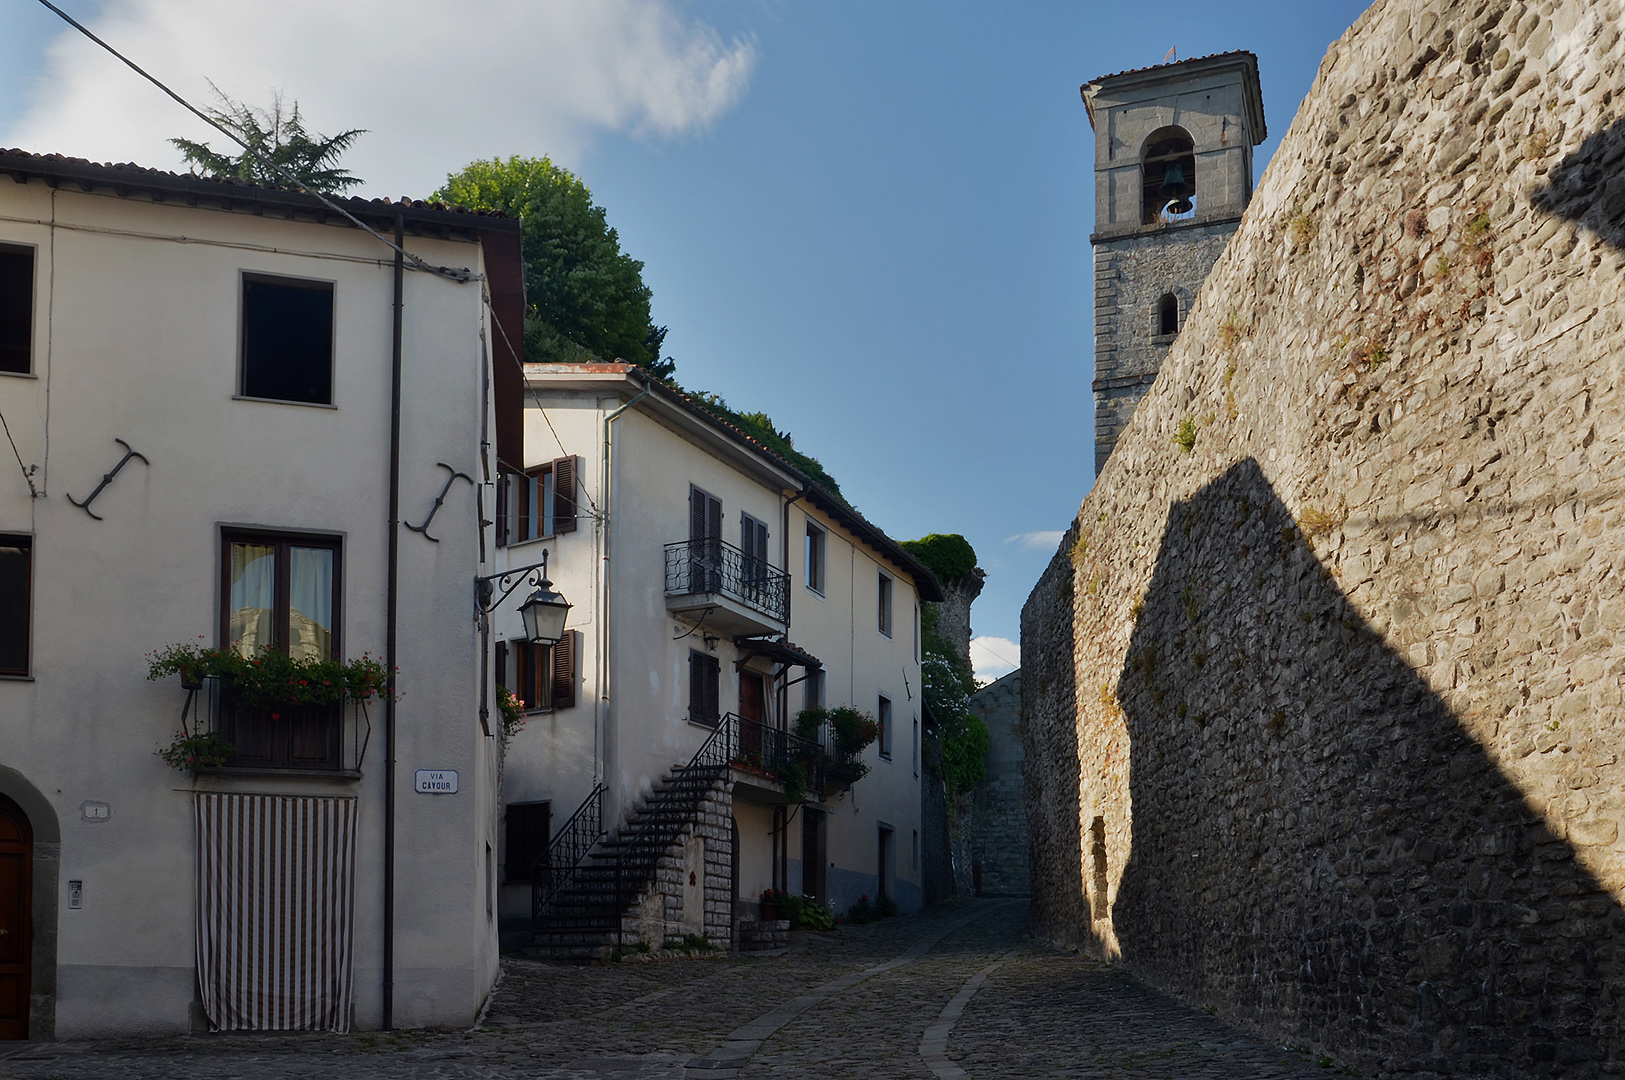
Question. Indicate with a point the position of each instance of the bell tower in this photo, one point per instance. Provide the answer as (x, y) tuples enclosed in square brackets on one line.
[(1173, 173)]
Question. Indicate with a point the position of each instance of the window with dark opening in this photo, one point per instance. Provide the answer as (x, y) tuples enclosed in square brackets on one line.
[(529, 827), (1168, 315), (16, 577), (1097, 838), (883, 721), (1168, 175), (288, 340), (16, 309)]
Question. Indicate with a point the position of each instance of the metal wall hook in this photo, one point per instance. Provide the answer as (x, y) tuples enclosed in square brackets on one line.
[(439, 500), (107, 478)]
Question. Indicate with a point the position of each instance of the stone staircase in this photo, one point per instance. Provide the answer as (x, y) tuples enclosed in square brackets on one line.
[(576, 917)]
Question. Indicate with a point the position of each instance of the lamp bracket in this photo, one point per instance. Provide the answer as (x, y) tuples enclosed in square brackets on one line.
[(507, 581)]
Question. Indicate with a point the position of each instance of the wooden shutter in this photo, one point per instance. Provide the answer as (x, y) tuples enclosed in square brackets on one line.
[(696, 513), (713, 517), (502, 508), (564, 670), (704, 688), (564, 495), (696, 687)]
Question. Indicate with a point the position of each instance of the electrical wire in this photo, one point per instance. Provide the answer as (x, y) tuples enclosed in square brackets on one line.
[(461, 276)]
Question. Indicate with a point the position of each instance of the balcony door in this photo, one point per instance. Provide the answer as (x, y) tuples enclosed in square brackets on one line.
[(705, 540), (16, 918)]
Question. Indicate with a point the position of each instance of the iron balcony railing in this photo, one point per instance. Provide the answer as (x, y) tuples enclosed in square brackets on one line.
[(777, 754), (294, 736), (556, 866), (710, 565)]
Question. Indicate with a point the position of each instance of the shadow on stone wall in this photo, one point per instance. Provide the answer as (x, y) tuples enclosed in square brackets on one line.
[(1588, 186), (1320, 849), (1059, 910)]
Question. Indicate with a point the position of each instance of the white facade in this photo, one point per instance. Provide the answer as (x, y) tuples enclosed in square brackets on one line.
[(137, 312), (631, 721)]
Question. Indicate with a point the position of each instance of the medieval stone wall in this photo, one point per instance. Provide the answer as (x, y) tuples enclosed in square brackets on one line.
[(1324, 685), (990, 846)]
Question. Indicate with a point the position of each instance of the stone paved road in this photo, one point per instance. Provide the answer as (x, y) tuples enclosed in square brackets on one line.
[(959, 992)]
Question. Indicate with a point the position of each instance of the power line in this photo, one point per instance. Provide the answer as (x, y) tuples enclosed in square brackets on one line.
[(460, 276)]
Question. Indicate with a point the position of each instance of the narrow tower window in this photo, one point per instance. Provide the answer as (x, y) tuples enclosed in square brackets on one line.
[(1168, 315)]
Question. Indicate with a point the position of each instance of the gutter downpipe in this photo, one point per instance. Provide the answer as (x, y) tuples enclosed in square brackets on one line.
[(391, 618), (784, 560), (601, 710)]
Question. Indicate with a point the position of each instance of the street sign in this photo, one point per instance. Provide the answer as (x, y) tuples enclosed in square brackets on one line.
[(435, 781)]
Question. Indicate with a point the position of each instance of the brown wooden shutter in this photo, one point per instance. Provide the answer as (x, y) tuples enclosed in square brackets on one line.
[(713, 517), (761, 542), (713, 689), (564, 670), (696, 514), (564, 495), (696, 687), (502, 508)]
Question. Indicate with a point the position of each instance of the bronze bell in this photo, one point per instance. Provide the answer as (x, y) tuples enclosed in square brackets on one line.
[(1175, 191)]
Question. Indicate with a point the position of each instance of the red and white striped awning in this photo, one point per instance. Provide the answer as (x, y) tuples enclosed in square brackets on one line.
[(276, 911)]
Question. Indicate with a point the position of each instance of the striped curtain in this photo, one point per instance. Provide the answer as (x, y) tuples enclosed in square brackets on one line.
[(276, 911)]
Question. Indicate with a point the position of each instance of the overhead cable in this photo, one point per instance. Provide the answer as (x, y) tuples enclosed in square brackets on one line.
[(461, 276)]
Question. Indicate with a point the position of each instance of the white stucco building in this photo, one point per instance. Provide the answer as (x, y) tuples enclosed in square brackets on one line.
[(241, 342), (716, 592)]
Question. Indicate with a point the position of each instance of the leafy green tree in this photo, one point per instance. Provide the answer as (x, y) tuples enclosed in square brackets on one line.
[(587, 297), (277, 136)]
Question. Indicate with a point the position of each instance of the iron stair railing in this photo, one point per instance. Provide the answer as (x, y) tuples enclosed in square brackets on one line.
[(556, 866)]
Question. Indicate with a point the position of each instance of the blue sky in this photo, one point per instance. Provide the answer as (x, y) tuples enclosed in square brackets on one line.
[(872, 222)]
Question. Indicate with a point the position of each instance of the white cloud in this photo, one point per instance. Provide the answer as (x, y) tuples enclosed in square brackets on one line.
[(1037, 541), (436, 83), (993, 657)]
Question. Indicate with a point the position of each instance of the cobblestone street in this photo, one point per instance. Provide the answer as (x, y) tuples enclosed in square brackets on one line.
[(959, 992)]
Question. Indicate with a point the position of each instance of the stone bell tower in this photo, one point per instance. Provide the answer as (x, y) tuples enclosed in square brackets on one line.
[(1173, 173)]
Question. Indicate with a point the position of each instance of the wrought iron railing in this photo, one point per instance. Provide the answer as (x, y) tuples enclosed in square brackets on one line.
[(781, 755), (556, 866), (710, 565), (328, 737)]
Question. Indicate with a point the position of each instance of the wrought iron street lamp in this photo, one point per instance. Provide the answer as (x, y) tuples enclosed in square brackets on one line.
[(543, 612)]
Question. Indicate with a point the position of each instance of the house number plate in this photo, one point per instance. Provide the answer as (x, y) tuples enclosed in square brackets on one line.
[(435, 781)]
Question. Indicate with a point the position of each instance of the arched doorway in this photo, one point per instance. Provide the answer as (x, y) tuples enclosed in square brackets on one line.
[(16, 918)]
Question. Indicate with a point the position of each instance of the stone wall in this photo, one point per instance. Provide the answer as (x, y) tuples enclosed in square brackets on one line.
[(990, 846), (663, 915), (1132, 274), (1324, 684), (953, 613)]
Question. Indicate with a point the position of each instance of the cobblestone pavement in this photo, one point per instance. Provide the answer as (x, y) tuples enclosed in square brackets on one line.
[(958, 992)]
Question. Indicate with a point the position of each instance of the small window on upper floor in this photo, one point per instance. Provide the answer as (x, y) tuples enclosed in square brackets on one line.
[(1168, 315), (885, 603), (815, 557), (287, 345), (540, 501), (16, 309)]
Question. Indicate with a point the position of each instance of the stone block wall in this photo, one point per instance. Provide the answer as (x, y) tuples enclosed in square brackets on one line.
[(1132, 274), (990, 848), (659, 917), (1325, 683)]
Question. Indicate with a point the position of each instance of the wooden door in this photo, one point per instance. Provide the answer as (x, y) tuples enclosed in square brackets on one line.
[(16, 918), (750, 716)]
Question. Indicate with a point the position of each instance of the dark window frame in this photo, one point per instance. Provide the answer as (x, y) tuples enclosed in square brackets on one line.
[(884, 715), (816, 551), (284, 542), (30, 334), (26, 543), (245, 277), (884, 602), (512, 845), (704, 701)]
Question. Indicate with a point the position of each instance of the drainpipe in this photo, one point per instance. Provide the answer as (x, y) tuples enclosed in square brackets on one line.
[(601, 711), (391, 618), (784, 562)]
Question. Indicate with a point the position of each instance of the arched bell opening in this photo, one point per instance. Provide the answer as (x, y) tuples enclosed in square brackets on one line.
[(1168, 176)]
